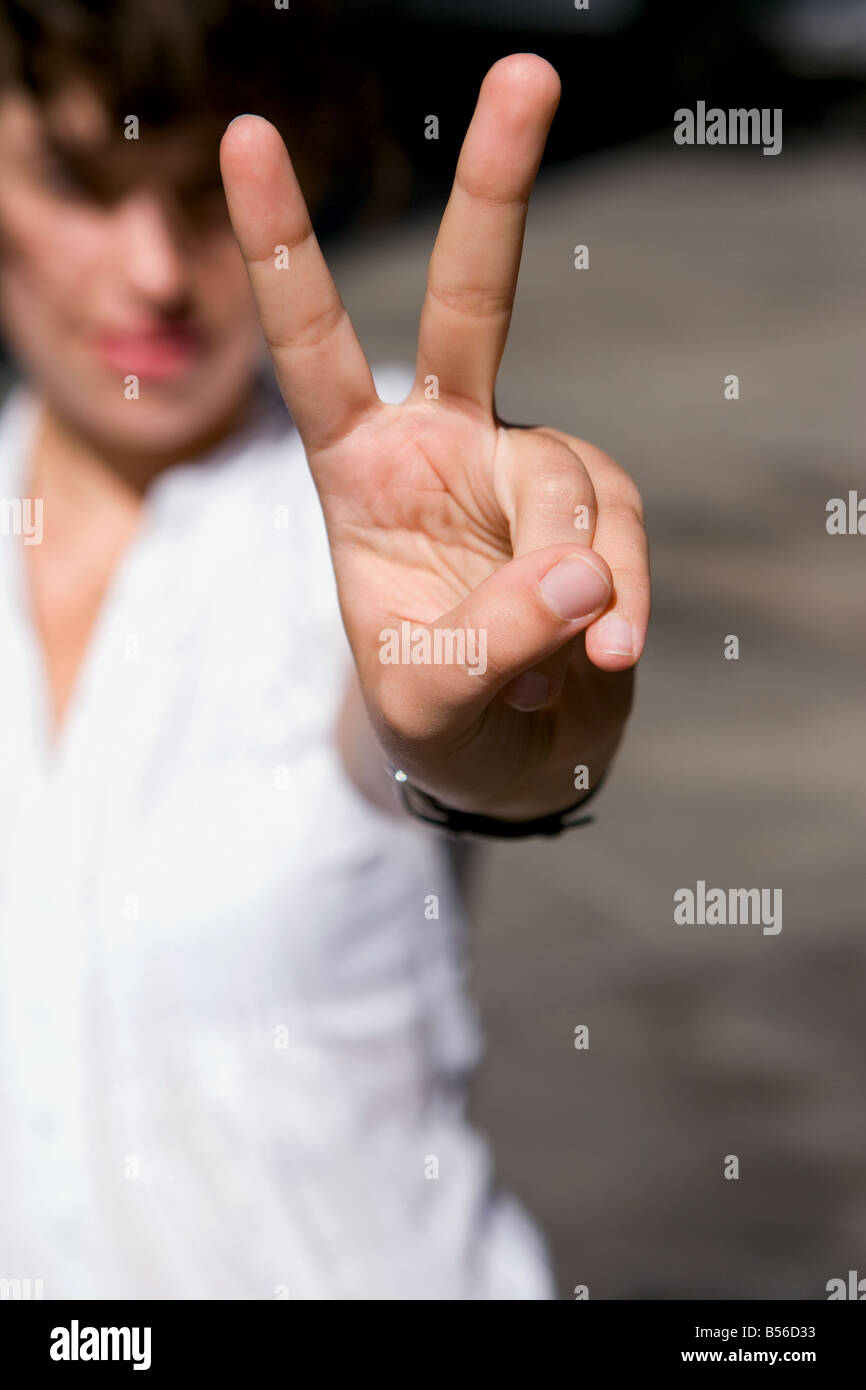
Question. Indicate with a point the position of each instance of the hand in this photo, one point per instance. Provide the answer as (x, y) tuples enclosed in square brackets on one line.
[(441, 516)]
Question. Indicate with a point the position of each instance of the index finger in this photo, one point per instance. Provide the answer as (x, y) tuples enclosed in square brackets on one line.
[(323, 374)]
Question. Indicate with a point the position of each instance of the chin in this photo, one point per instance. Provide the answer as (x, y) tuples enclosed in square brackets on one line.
[(158, 428), (149, 417)]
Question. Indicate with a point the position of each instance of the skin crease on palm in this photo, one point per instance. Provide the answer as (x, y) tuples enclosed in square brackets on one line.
[(437, 512)]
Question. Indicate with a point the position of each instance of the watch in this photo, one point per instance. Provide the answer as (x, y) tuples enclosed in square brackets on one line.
[(424, 807)]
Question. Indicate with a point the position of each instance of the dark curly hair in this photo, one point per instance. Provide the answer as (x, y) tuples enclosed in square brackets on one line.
[(174, 61)]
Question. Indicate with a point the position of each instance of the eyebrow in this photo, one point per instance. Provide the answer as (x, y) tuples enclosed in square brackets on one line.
[(105, 167), (86, 161)]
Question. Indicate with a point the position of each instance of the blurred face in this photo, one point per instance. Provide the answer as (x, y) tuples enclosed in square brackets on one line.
[(117, 260)]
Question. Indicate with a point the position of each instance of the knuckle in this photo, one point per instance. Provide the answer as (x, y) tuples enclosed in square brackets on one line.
[(313, 333), (555, 493), (622, 511), (623, 493), (630, 497), (473, 301), (621, 489)]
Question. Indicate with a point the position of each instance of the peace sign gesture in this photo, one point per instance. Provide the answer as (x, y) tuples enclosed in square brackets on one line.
[(494, 641)]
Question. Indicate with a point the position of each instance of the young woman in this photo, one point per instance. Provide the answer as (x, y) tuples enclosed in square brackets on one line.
[(233, 1031)]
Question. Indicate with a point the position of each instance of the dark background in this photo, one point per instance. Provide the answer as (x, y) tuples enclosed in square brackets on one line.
[(626, 65)]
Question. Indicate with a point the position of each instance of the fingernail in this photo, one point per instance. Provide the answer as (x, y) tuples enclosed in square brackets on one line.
[(574, 588), (529, 691), (615, 636), (240, 117)]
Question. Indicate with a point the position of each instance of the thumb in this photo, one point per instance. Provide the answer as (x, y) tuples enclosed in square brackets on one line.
[(524, 612)]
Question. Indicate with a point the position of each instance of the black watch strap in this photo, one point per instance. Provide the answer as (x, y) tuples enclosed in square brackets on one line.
[(421, 806)]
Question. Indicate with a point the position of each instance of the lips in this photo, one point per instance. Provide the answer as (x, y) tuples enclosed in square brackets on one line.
[(157, 354)]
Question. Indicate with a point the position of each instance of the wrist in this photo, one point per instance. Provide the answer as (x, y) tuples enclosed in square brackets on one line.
[(560, 791), (424, 807)]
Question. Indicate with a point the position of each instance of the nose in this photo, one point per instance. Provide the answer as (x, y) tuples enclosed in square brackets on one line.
[(151, 245)]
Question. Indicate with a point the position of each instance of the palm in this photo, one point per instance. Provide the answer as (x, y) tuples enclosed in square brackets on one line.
[(412, 517), (438, 514)]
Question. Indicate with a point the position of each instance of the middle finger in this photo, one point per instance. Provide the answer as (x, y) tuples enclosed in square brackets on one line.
[(473, 269)]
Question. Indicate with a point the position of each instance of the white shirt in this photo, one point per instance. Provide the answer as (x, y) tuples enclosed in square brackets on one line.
[(233, 1044)]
